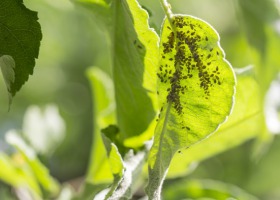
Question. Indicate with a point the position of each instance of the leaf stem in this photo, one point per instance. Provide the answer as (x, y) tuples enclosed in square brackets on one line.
[(169, 15), (167, 9)]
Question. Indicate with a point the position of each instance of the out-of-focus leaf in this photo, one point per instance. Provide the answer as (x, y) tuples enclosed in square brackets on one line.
[(90, 191), (104, 110), (204, 189), (272, 107), (66, 193), (16, 173), (256, 16), (44, 129), (20, 38), (6, 193), (260, 19), (135, 57), (99, 8), (196, 89), (243, 124), (37, 169)]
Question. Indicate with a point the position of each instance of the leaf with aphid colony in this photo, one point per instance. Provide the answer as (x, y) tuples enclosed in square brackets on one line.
[(196, 87)]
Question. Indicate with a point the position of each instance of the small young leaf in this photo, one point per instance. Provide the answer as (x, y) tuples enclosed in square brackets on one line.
[(133, 166), (116, 164), (20, 38), (196, 86), (126, 171)]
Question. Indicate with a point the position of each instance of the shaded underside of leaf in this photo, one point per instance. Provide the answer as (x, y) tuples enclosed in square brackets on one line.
[(196, 87), (20, 36), (135, 57)]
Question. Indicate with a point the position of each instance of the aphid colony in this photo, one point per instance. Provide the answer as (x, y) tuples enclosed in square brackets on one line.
[(191, 60)]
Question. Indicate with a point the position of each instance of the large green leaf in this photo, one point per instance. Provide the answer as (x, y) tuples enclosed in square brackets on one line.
[(135, 57), (20, 36), (196, 88), (243, 124)]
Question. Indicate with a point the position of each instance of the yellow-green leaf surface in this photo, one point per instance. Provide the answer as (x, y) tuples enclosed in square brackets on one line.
[(20, 36), (36, 169), (204, 189), (135, 58), (116, 164), (104, 111), (196, 88), (15, 172), (243, 124)]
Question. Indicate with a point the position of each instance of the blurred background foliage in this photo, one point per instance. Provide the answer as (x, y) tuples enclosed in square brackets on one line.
[(72, 42)]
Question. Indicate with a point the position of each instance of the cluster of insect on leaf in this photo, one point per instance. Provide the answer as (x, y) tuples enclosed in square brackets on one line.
[(186, 62)]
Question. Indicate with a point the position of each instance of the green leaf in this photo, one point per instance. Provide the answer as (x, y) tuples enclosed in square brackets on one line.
[(7, 65), (208, 189), (257, 16), (37, 169), (196, 87), (104, 112), (90, 191), (126, 171), (17, 174), (99, 8), (20, 38), (135, 57), (116, 164), (260, 21), (133, 167), (242, 125)]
